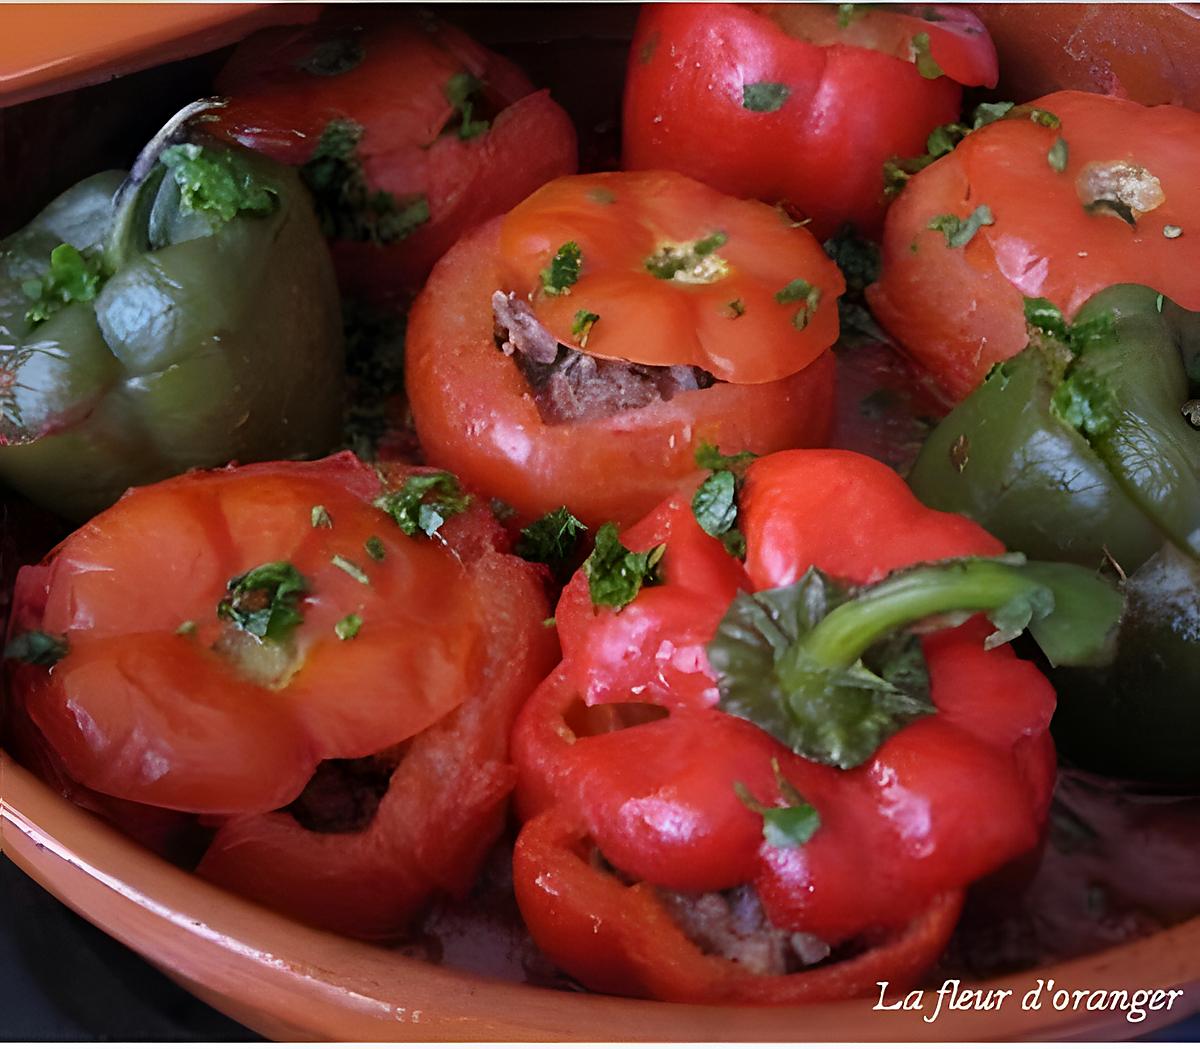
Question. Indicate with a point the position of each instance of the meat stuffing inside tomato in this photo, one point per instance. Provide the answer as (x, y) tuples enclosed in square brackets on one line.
[(579, 350)]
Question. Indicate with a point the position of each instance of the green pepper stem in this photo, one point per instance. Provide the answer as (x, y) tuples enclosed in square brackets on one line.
[(906, 597)]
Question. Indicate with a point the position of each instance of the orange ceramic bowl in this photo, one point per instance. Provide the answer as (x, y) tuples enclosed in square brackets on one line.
[(288, 981)]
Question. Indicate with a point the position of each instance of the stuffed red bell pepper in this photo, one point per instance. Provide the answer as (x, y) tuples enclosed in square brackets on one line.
[(770, 777), (1057, 200), (320, 663), (406, 130), (798, 103), (580, 349)]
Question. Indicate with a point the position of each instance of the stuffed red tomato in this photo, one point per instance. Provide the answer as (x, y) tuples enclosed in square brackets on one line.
[(769, 778), (407, 131), (580, 349), (797, 103), (1057, 200), (321, 665)]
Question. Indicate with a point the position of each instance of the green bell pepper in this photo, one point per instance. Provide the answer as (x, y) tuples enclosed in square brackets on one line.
[(1085, 448), (183, 316)]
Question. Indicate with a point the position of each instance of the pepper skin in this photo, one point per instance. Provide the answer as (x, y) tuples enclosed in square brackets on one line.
[(204, 340), (1123, 488), (475, 411), (957, 309), (398, 84), (623, 752), (162, 697), (799, 104)]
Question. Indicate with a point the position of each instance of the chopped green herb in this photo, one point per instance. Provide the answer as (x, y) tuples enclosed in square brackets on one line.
[(424, 502), (375, 549), (563, 270), (334, 57), (737, 308), (347, 207), (799, 290), (784, 826), (549, 621), (616, 574), (1171, 232), (923, 57), (1058, 155), (217, 181), (351, 569), (690, 262), (347, 627), (461, 92), (850, 13), (36, 647), (764, 97), (601, 195), (264, 601), (186, 628), (1044, 118), (551, 540), (989, 112), (958, 232), (71, 277), (320, 517), (714, 503), (709, 457), (582, 325)]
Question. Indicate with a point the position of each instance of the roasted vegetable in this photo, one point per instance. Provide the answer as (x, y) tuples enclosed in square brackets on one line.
[(182, 316), (1085, 448)]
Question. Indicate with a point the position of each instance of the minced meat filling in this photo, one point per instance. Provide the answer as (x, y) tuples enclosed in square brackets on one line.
[(344, 793), (569, 385), (732, 924)]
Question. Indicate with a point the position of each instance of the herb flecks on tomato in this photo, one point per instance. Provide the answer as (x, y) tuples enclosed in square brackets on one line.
[(644, 267)]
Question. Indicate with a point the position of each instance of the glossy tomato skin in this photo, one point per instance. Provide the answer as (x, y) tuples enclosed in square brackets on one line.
[(959, 310), (147, 718), (389, 74), (621, 750), (475, 412), (854, 99)]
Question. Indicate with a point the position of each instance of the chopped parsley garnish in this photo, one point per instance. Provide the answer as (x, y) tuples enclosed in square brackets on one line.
[(690, 262), (737, 308), (800, 290), (334, 57), (714, 503), (582, 325), (601, 195), (1058, 155), (347, 627), (552, 540), (764, 97), (320, 517), (563, 270), (375, 549), (958, 232), (351, 569), (784, 826), (424, 502), (71, 277), (186, 628), (347, 207), (217, 181), (36, 647), (461, 91), (265, 601), (923, 57), (849, 13), (616, 574)]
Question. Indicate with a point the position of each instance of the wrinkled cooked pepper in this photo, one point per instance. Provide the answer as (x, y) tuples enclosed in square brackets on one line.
[(1085, 447), (182, 316), (322, 665), (822, 731)]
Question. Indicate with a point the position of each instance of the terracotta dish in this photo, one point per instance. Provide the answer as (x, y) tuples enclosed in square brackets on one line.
[(288, 981)]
